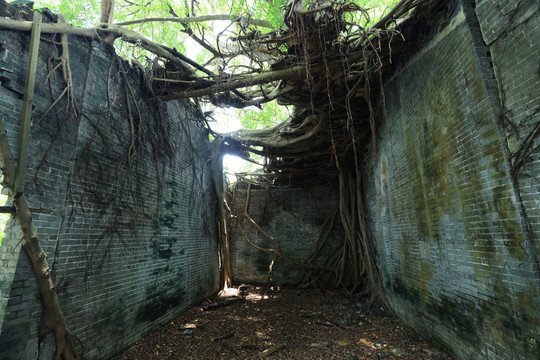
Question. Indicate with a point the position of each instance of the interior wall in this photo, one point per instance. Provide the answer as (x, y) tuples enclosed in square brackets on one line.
[(511, 30), (446, 217), (295, 218), (129, 208)]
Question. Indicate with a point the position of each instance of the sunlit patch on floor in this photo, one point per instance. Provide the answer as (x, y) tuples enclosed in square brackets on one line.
[(250, 322), (250, 293)]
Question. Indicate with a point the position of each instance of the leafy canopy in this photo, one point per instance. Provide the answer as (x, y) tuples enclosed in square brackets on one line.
[(196, 40)]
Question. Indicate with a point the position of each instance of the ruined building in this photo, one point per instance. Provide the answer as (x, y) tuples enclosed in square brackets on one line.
[(450, 188)]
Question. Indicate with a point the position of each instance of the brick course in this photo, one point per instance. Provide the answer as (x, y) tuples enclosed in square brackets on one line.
[(446, 216), (294, 217), (131, 242)]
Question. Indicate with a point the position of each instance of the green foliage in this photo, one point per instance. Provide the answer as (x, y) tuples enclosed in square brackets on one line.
[(82, 13), (87, 13), (3, 221), (270, 10), (269, 115), (166, 33)]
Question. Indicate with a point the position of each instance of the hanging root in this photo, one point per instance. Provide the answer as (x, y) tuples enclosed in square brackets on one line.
[(352, 266), (53, 318)]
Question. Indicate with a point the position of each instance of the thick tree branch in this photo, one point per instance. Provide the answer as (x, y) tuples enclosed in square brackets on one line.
[(105, 33), (295, 72), (202, 18)]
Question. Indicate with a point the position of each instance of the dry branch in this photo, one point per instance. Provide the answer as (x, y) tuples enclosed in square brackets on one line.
[(271, 350)]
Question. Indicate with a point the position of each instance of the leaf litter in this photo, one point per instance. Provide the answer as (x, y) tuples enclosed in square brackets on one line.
[(284, 323)]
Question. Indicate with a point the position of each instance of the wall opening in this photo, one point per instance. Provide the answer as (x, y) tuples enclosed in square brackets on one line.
[(9, 251), (5, 214)]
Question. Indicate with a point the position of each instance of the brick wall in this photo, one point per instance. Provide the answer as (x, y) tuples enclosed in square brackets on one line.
[(131, 239), (511, 30), (295, 218), (446, 218)]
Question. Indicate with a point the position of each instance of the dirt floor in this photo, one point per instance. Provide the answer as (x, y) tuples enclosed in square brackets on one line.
[(260, 322)]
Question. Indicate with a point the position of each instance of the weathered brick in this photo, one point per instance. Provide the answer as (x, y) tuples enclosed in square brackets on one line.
[(294, 217), (77, 168), (489, 267)]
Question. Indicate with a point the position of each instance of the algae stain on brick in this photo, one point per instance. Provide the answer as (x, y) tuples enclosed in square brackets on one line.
[(170, 215), (114, 316), (263, 259), (498, 202), (438, 151), (512, 230), (163, 248), (384, 172), (476, 219), (160, 297), (430, 149), (503, 201), (416, 195), (413, 268), (431, 158)]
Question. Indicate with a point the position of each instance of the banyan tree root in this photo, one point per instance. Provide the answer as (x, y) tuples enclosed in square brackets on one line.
[(352, 267), (53, 320), (357, 270), (306, 265)]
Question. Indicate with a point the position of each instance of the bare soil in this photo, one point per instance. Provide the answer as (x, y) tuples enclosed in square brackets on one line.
[(255, 322)]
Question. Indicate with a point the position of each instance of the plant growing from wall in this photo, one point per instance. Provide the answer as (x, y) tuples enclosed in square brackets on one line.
[(325, 60), (53, 319)]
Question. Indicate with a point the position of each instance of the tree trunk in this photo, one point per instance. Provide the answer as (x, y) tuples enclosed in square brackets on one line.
[(53, 319), (107, 11)]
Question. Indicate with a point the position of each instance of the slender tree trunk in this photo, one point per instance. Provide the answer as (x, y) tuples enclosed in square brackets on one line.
[(53, 319), (216, 169), (107, 11)]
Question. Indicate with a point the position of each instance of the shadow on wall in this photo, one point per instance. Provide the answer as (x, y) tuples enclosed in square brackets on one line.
[(446, 214)]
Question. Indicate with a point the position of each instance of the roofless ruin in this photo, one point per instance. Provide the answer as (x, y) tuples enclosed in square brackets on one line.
[(408, 171)]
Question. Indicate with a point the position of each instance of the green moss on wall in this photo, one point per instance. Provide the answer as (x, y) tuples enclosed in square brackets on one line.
[(160, 297)]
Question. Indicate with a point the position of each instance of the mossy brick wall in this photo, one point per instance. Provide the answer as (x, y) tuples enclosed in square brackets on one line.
[(131, 239), (511, 30), (446, 217), (295, 218)]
